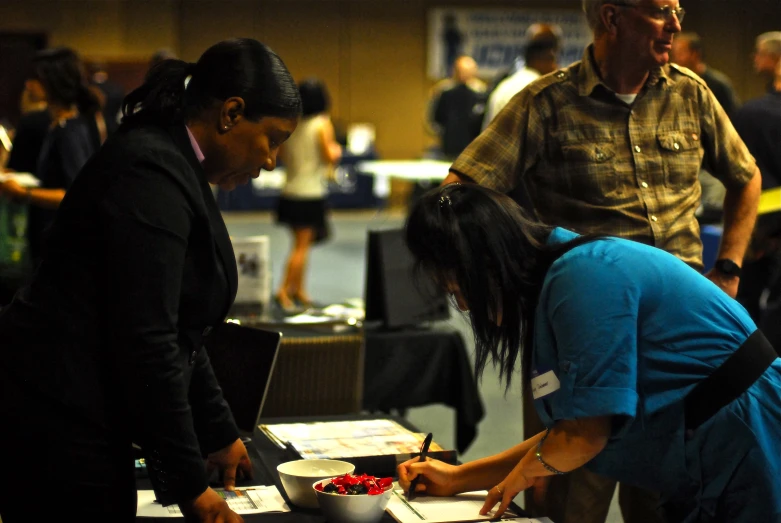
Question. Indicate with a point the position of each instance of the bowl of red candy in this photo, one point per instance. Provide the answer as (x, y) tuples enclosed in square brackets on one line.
[(353, 498)]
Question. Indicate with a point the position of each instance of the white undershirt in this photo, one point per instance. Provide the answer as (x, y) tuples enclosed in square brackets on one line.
[(628, 99)]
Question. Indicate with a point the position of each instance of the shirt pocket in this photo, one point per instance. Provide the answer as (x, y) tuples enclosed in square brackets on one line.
[(682, 157), (589, 169)]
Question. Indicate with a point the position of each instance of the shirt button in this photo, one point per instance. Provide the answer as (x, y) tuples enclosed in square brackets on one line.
[(195, 354), (676, 146), (644, 185), (653, 218), (637, 149)]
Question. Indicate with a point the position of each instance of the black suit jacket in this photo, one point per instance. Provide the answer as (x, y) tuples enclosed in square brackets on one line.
[(139, 266)]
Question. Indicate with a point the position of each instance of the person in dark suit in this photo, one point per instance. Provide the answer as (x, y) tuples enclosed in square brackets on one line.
[(105, 347)]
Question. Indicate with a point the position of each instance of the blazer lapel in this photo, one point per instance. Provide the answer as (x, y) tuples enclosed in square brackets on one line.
[(219, 231)]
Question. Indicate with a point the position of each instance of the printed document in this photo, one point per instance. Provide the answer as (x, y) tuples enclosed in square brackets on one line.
[(245, 500), (461, 507)]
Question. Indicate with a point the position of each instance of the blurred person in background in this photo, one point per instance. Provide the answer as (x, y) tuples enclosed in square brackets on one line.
[(32, 129), (75, 134), (105, 347), (540, 58), (464, 72), (688, 52), (459, 109), (759, 124), (759, 121), (111, 94), (310, 156), (767, 57)]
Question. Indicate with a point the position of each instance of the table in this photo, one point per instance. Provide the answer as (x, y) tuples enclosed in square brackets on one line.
[(411, 170), (412, 367), (351, 189), (265, 457)]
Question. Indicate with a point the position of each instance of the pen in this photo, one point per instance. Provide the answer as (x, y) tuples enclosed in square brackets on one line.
[(423, 453)]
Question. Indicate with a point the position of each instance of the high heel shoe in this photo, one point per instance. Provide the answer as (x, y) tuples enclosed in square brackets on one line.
[(286, 305), (304, 303)]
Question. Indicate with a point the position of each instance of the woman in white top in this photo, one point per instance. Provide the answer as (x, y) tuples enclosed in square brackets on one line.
[(309, 155)]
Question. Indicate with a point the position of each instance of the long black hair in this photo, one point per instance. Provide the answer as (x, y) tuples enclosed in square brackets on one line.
[(62, 74), (481, 241), (240, 67)]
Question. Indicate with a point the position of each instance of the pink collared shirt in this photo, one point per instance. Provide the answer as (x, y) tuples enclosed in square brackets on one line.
[(194, 143)]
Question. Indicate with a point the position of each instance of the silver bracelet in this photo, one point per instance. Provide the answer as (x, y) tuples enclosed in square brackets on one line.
[(550, 469)]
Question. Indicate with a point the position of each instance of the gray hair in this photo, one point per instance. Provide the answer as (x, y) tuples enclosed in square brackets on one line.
[(770, 42), (592, 7)]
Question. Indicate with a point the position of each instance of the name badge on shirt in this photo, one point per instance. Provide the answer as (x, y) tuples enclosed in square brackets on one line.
[(544, 384)]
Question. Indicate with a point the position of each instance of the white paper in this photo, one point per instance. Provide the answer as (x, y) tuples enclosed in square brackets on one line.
[(462, 507), (245, 500)]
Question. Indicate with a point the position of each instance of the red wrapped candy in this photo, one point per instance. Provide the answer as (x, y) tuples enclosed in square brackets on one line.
[(351, 485)]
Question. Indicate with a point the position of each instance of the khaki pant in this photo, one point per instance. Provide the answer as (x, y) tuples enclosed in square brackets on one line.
[(583, 496)]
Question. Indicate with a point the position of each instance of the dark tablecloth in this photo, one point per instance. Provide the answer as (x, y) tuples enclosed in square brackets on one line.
[(354, 190), (416, 367), (413, 367)]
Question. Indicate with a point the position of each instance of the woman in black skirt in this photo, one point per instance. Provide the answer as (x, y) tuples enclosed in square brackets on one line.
[(309, 155)]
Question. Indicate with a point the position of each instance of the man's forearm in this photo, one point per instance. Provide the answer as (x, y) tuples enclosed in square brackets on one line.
[(740, 214)]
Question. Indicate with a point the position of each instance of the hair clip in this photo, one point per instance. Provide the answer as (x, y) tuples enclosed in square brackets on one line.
[(445, 199)]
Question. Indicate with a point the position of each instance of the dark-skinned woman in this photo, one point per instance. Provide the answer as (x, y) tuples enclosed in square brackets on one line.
[(641, 368), (104, 348)]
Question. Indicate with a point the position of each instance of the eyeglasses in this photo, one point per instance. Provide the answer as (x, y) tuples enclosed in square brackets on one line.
[(660, 13)]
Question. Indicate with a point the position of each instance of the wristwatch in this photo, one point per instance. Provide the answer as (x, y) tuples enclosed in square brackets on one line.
[(727, 267)]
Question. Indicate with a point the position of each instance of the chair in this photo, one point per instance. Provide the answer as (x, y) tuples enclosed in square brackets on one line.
[(317, 375)]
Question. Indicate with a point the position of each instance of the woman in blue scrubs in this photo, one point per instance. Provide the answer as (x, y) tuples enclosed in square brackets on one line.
[(641, 369)]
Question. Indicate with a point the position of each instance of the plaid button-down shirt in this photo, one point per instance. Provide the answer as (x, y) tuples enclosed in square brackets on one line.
[(594, 164)]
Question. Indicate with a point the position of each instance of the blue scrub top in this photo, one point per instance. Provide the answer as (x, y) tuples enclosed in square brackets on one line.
[(628, 330)]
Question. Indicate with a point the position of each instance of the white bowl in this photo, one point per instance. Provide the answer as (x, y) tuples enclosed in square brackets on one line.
[(357, 508), (297, 477)]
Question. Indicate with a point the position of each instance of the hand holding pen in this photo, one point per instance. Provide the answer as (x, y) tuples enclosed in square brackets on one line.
[(422, 459), (434, 477)]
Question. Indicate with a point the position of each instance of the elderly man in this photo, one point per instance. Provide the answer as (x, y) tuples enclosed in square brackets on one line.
[(613, 145)]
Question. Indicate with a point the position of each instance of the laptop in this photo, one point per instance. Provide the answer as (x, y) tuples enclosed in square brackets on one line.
[(243, 360)]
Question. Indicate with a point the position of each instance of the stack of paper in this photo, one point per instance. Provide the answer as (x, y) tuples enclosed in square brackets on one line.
[(246, 500), (462, 507), (346, 439)]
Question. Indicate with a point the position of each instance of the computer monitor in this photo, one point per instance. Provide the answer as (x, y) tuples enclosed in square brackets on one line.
[(395, 297), (243, 359)]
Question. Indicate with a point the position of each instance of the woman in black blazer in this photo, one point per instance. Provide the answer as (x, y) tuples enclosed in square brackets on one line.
[(104, 348)]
